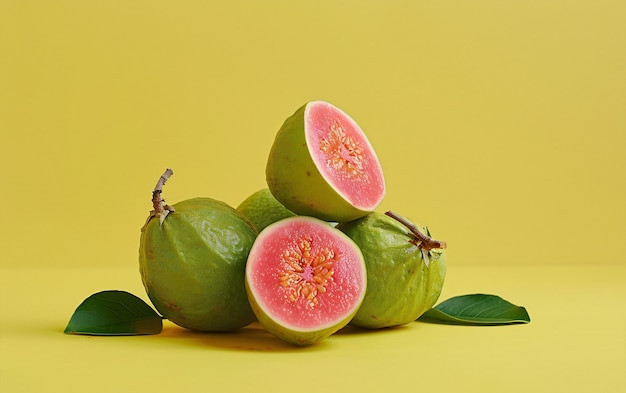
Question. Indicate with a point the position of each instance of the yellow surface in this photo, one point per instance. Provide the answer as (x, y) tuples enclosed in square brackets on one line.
[(499, 124), (574, 343)]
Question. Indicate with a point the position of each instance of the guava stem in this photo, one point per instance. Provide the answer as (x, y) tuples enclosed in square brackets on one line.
[(164, 177), (421, 240), (157, 202), (161, 210)]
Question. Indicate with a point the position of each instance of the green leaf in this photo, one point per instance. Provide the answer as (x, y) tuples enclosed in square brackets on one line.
[(114, 313), (476, 310)]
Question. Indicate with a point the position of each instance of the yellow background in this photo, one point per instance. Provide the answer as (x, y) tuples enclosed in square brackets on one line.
[(501, 125)]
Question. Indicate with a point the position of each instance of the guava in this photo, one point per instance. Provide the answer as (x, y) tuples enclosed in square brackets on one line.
[(406, 269), (262, 209), (192, 258), (305, 279), (321, 164)]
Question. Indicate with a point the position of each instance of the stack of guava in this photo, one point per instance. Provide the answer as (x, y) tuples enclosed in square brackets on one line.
[(305, 256)]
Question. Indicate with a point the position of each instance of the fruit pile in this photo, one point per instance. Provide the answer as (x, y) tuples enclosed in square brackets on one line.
[(305, 256)]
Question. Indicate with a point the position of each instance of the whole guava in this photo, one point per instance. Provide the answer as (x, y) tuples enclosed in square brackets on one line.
[(262, 209), (192, 259), (406, 269)]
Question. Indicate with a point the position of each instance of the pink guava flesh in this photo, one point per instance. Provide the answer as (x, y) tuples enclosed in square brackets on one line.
[(344, 155), (304, 276)]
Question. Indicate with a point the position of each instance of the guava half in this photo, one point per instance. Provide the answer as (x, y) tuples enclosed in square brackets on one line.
[(305, 279), (262, 209), (192, 258), (406, 269), (321, 164)]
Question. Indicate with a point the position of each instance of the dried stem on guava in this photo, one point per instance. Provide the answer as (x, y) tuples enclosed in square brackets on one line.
[(161, 209), (421, 240), (424, 242)]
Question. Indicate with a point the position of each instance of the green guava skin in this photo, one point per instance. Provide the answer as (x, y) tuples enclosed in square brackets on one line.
[(193, 266), (262, 209), (400, 287), (295, 181)]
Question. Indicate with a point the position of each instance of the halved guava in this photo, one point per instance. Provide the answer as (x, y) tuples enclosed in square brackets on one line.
[(321, 164), (406, 269), (305, 279)]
